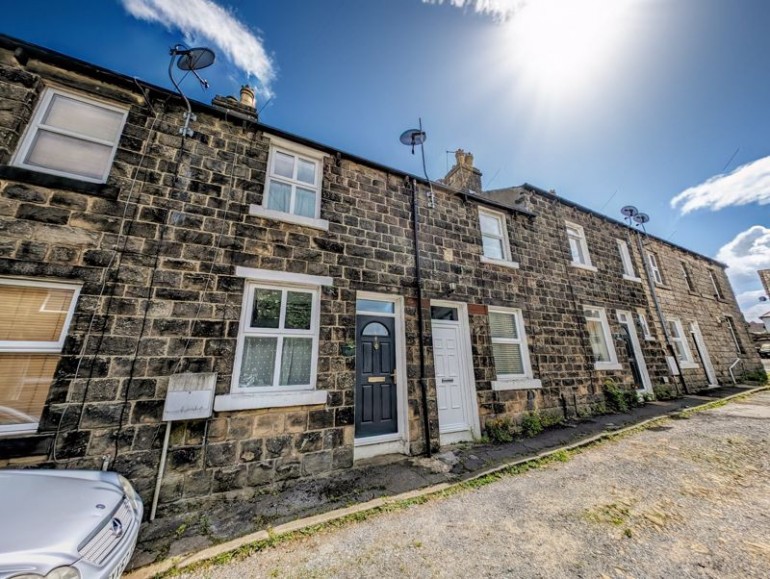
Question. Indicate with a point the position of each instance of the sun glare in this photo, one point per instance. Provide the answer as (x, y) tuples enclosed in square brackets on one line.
[(555, 46)]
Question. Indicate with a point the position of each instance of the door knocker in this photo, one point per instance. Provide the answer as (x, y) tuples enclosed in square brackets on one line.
[(376, 343)]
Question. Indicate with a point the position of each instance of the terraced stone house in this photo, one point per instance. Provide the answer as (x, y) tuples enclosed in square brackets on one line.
[(341, 308)]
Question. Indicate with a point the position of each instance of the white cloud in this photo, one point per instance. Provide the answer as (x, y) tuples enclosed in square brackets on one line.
[(745, 254), (205, 20), (749, 183), (750, 305), (499, 9)]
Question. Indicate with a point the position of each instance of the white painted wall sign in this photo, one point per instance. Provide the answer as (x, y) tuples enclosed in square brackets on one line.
[(190, 396)]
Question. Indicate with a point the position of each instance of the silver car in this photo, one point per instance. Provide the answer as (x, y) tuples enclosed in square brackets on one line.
[(66, 524)]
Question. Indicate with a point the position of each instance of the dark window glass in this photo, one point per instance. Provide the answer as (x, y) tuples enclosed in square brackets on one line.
[(299, 306), (443, 313), (267, 308)]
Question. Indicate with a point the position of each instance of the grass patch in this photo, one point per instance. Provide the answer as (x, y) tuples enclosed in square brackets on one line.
[(616, 514)]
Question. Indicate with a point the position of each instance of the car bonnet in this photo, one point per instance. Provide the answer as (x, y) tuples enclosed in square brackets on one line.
[(45, 518)]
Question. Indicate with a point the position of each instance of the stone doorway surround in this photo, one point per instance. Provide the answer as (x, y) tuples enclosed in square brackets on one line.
[(398, 442)]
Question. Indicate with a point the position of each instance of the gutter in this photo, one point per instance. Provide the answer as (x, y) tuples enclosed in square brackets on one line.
[(420, 321), (661, 317)]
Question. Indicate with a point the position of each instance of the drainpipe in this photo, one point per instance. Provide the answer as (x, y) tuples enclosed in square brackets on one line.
[(661, 318), (421, 331)]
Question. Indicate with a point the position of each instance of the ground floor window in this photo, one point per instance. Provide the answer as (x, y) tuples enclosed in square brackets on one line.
[(278, 341), (600, 338), (509, 344), (679, 341), (34, 320)]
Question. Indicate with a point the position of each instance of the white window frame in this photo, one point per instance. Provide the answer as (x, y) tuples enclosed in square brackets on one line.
[(646, 332), (717, 291), (688, 279), (577, 233), (38, 347), (278, 145), (652, 260), (501, 219), (36, 123), (526, 380), (612, 364), (681, 338), (243, 398), (628, 264)]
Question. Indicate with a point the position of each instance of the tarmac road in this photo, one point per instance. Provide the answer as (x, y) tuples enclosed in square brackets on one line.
[(687, 498)]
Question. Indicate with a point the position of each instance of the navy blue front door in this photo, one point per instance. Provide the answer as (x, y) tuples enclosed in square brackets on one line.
[(375, 376)]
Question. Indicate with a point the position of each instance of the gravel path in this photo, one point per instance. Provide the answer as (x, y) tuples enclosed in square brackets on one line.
[(688, 498)]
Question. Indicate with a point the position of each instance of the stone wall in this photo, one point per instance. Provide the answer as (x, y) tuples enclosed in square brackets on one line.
[(156, 249)]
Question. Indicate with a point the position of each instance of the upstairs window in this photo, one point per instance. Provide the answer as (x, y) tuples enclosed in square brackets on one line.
[(687, 277), (578, 246), (628, 264), (293, 185), (71, 136), (494, 237), (34, 320), (652, 260), (717, 288)]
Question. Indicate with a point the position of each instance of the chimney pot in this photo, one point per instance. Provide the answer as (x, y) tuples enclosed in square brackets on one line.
[(247, 96)]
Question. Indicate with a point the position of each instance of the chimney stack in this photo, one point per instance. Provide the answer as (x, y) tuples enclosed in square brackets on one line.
[(464, 176), (245, 107)]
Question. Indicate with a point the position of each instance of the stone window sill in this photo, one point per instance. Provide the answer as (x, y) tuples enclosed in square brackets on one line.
[(10, 173), (584, 266), (501, 262), (516, 384), (688, 365), (607, 366), (252, 401), (259, 211), (632, 278)]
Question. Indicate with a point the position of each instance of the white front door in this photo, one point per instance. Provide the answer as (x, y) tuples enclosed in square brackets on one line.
[(451, 386), (704, 354), (636, 358)]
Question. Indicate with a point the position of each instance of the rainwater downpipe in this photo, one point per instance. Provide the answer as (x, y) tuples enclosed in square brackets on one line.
[(661, 318), (421, 331)]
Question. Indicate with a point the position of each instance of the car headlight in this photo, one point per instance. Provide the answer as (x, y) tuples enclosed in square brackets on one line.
[(63, 573), (130, 495), (58, 573)]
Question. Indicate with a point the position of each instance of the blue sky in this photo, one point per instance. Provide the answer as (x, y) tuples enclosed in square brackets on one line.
[(609, 103)]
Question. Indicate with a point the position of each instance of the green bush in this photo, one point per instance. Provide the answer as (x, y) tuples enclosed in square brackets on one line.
[(531, 425), (759, 376), (614, 397), (665, 392), (551, 418), (632, 399), (500, 430)]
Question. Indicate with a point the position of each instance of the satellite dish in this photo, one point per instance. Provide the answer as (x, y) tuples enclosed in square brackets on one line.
[(413, 137), (195, 58), (629, 211), (641, 218)]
